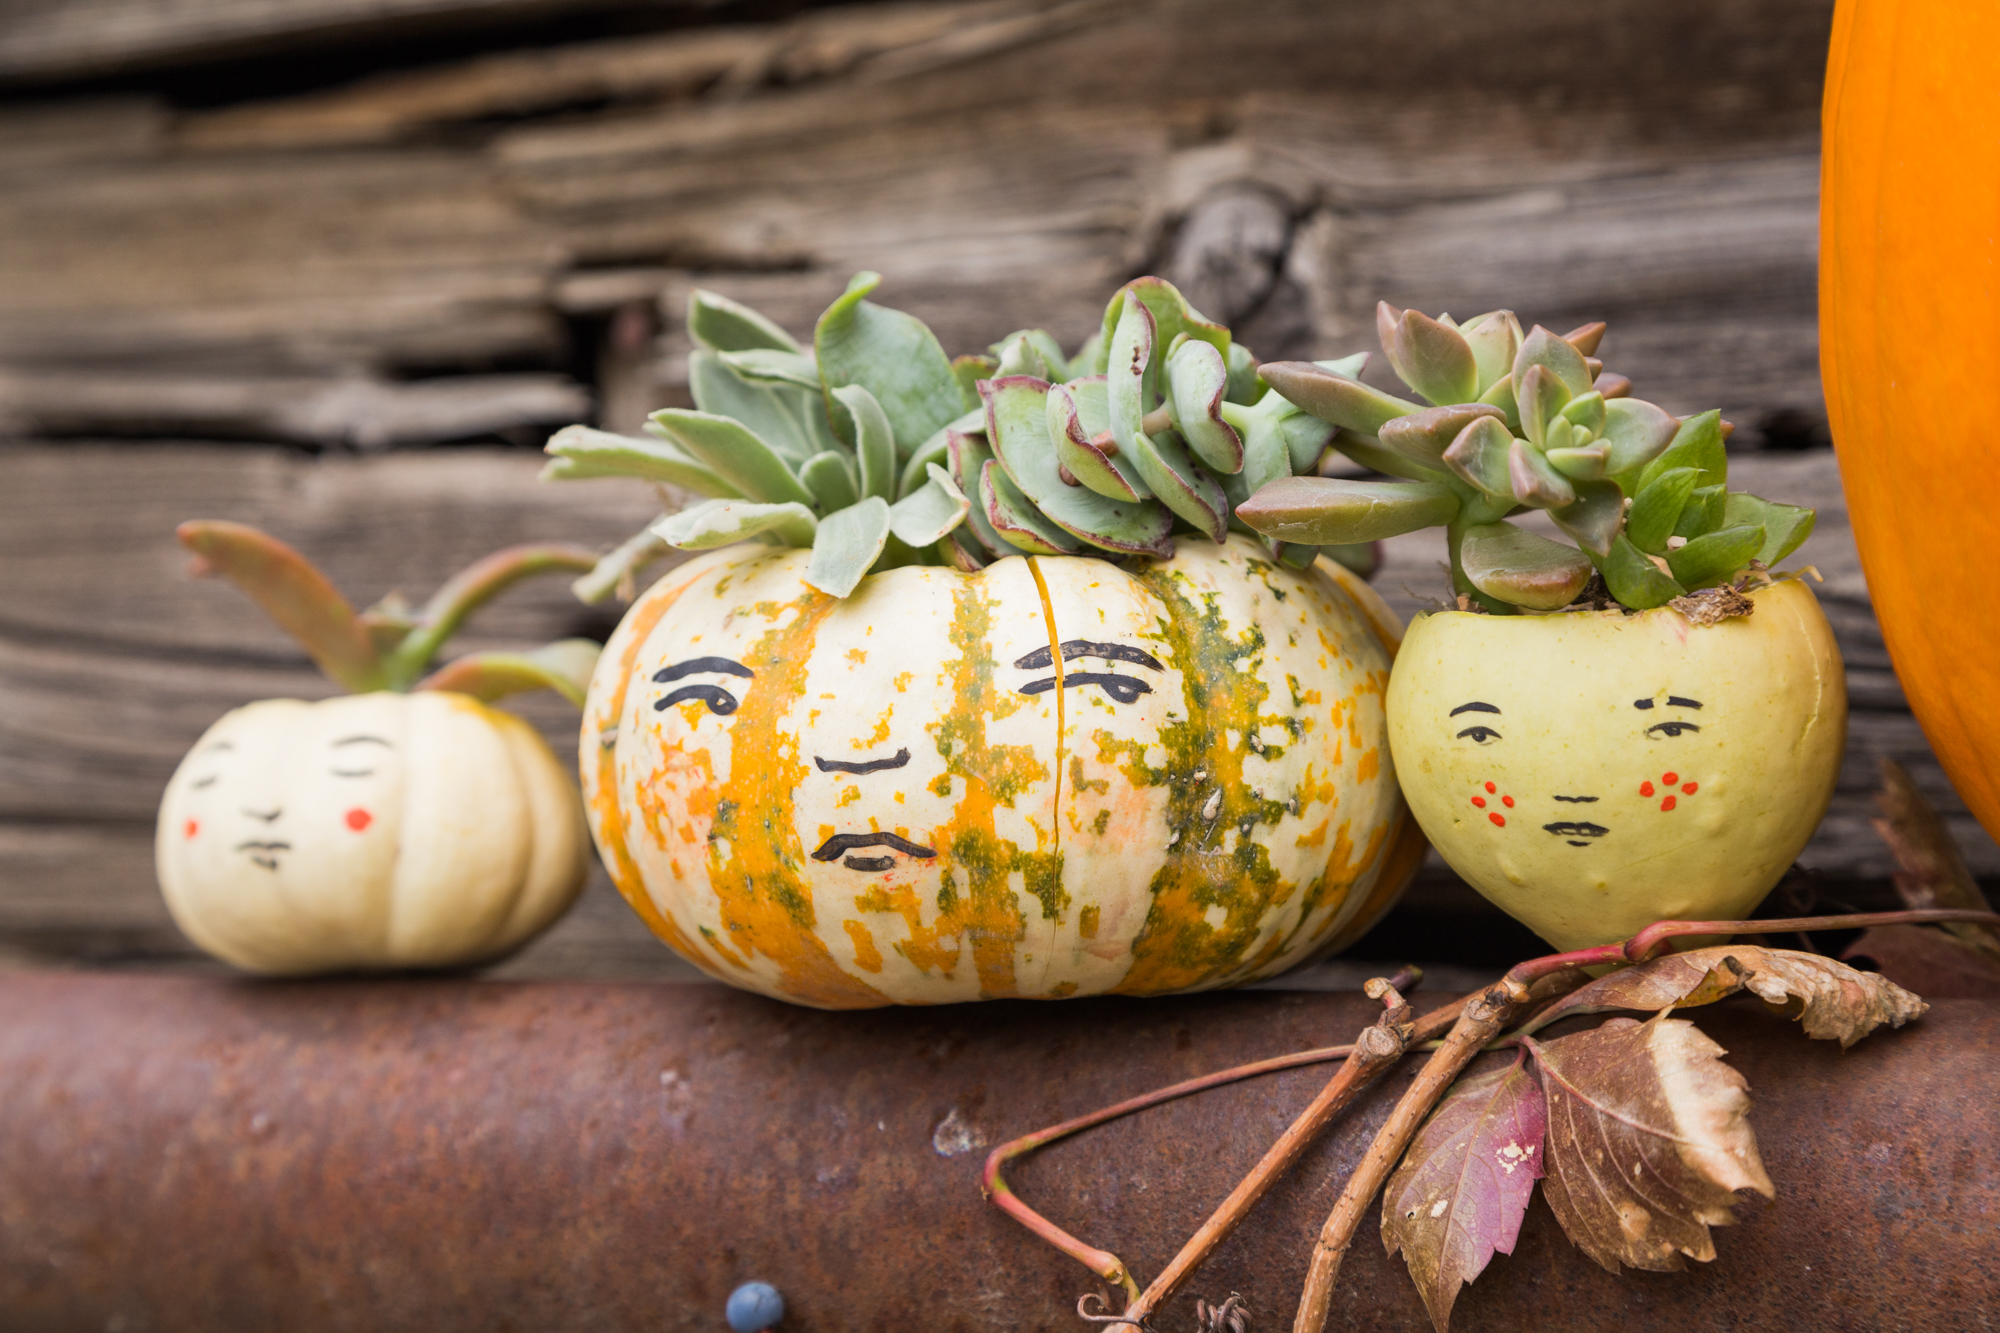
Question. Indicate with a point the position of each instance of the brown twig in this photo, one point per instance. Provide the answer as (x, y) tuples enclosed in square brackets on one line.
[(1484, 1017), (1379, 1047), (1479, 1023)]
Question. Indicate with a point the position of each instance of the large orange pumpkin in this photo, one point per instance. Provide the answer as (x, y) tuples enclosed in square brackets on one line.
[(1910, 350), (1050, 777)]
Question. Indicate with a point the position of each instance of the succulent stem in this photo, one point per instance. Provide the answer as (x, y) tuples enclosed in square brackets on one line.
[(293, 592), (470, 589)]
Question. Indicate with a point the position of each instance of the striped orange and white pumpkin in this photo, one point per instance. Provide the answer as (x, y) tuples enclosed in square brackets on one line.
[(1051, 777)]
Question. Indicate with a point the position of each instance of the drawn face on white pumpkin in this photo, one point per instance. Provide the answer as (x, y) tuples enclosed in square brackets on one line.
[(283, 796)]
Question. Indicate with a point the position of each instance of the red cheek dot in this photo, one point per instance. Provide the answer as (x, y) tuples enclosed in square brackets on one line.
[(1498, 818), (1507, 801), (193, 827), (1690, 787), (1490, 787), (1479, 801), (359, 819), (1667, 804), (1645, 789), (1669, 779)]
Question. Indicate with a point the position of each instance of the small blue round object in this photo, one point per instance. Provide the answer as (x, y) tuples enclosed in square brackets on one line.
[(754, 1307)]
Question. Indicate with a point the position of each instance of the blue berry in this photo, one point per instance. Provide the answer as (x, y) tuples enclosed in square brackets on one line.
[(754, 1307)]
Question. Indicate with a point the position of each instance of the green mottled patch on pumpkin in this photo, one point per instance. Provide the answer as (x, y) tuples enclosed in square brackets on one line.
[(1101, 823), (942, 787), (1204, 755)]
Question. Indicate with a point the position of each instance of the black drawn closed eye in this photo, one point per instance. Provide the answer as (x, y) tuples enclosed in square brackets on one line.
[(719, 700), (1075, 648), (208, 781), (1670, 729), (352, 772), (1125, 689), (1479, 735)]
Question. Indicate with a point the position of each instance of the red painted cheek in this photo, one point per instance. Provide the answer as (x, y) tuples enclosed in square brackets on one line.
[(359, 819), (192, 827)]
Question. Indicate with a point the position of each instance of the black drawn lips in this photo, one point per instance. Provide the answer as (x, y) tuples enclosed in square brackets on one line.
[(1576, 832), (841, 843), (261, 853)]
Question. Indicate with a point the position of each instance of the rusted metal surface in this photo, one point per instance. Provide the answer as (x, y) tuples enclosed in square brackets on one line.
[(188, 1154)]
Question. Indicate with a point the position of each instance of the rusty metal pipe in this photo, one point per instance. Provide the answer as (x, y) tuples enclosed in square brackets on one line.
[(191, 1154)]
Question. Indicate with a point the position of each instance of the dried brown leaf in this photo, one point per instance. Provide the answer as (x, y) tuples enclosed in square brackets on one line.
[(1948, 967), (1835, 1001), (1465, 1183), (1931, 870), (1648, 1141)]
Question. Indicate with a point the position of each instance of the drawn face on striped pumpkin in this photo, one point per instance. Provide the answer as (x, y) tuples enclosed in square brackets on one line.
[(1052, 777), (1593, 773)]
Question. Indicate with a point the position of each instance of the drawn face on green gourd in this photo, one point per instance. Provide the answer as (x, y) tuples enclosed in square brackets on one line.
[(1048, 777), (1594, 772)]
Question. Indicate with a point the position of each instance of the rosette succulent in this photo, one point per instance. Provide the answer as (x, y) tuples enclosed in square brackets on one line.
[(996, 698), (1512, 423)]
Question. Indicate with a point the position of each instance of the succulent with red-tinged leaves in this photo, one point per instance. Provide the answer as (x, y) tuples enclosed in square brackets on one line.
[(1517, 422)]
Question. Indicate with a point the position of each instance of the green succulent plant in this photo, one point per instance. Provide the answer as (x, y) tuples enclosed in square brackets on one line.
[(1513, 423), (874, 449)]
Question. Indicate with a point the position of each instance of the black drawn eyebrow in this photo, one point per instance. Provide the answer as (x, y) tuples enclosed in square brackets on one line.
[(1074, 648), (1472, 708), (696, 666), (1125, 689), (900, 758), (719, 700), (845, 842), (361, 740), (1675, 701)]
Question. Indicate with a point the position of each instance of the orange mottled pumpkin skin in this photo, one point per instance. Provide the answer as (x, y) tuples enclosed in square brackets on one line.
[(1053, 777), (1909, 345)]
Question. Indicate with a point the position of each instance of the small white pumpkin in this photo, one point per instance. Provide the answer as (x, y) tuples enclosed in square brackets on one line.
[(369, 831), (404, 825)]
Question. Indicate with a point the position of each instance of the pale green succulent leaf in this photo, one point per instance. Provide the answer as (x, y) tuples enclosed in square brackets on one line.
[(1696, 444), (874, 439), (1130, 386), (735, 453), (1321, 511), (1500, 394), (1585, 464), (1197, 381), (788, 418), (1432, 358), (1657, 508), (895, 357), (714, 523), (1493, 339), (1095, 461), (1593, 520), (1345, 402), (1172, 316), (1707, 511), (967, 455), (1786, 527), (1535, 481), (1478, 456), (1347, 367), (1019, 354), (1019, 524), (1538, 396), (1089, 358), (847, 545), (765, 365), (934, 450), (1586, 413), (1179, 484), (928, 513), (1017, 423), (1246, 386), (722, 325), (1556, 357), (581, 452), (618, 572), (1424, 436), (830, 477), (968, 371), (564, 666), (1634, 580), (1522, 569), (1371, 454), (1716, 557), (1635, 431)]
